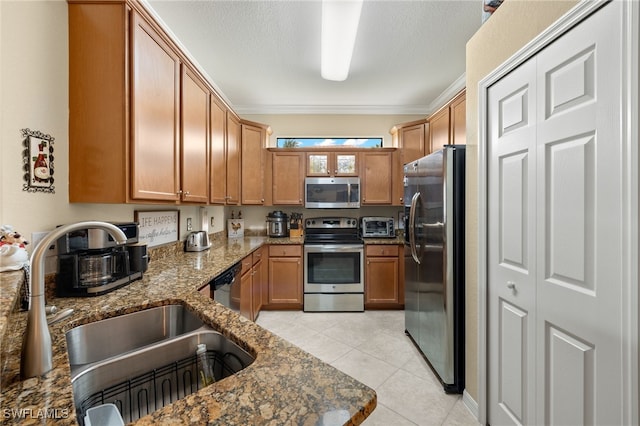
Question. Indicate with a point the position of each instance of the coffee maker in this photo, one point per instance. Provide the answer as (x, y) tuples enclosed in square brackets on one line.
[(90, 263)]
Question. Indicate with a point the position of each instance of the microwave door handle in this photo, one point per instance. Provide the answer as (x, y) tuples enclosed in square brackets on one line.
[(349, 193), (412, 226)]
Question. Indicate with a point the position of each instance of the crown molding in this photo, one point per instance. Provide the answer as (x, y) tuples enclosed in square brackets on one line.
[(448, 94), (332, 109)]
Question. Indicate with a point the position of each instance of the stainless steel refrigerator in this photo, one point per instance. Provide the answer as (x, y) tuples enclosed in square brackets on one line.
[(434, 261)]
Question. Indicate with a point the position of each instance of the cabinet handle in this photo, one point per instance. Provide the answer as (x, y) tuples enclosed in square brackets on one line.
[(179, 192), (186, 193)]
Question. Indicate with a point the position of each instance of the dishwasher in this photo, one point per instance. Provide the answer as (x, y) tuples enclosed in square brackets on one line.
[(225, 288)]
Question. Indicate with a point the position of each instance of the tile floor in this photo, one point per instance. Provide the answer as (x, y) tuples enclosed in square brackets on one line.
[(371, 347)]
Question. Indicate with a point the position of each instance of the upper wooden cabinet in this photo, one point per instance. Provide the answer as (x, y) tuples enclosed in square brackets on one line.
[(412, 139), (458, 115), (253, 163), (194, 139), (376, 177), (124, 107), (218, 151), (332, 164), (234, 134), (287, 174), (448, 125)]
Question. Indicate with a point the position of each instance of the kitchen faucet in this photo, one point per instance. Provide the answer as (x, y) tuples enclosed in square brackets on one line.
[(37, 353)]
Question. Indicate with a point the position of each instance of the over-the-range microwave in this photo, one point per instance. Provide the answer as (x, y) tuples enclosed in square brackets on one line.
[(332, 192)]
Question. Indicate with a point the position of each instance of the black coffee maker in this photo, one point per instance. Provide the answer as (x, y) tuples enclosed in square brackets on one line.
[(90, 263)]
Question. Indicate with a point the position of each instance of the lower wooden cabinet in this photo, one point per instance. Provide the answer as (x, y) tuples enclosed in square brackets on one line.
[(252, 280), (383, 287), (285, 276)]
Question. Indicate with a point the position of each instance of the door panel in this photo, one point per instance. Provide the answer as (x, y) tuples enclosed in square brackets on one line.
[(579, 225), (556, 232), (512, 251), (513, 353)]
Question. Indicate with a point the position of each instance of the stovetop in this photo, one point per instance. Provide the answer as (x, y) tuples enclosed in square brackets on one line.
[(332, 230)]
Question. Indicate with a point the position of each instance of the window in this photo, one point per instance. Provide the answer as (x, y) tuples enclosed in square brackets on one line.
[(329, 142)]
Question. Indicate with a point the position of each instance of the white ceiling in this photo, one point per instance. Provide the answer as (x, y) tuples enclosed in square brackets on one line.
[(264, 56)]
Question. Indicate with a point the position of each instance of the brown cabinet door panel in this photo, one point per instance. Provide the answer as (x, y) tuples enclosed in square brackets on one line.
[(252, 165), (155, 115), (288, 178), (233, 160), (285, 280), (218, 152), (376, 177), (194, 146)]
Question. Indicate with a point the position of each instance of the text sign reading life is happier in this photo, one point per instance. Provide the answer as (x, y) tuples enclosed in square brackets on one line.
[(158, 227)]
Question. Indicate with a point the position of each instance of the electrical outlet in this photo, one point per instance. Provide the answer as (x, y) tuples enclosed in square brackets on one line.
[(189, 224), (36, 237), (213, 221)]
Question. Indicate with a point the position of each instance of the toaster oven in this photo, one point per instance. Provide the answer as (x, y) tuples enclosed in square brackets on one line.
[(377, 227)]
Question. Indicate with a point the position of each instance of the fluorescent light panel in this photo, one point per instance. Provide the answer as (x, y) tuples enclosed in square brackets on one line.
[(340, 19)]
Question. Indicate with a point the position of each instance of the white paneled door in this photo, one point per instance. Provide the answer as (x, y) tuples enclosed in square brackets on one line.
[(556, 234)]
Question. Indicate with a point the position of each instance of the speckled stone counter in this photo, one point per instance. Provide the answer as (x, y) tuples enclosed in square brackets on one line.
[(396, 240), (284, 386)]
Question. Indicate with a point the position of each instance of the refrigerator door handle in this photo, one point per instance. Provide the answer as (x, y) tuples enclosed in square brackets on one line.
[(412, 226)]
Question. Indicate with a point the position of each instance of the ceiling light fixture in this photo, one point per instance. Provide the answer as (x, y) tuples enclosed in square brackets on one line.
[(340, 20)]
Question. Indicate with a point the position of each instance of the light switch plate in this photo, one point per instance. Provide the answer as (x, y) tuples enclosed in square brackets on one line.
[(189, 224)]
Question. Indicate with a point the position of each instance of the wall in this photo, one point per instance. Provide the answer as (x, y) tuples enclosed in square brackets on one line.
[(511, 27)]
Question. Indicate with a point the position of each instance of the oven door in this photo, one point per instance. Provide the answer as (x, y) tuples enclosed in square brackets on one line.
[(334, 268)]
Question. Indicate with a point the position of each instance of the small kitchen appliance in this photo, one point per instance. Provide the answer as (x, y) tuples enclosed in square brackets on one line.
[(277, 224), (90, 263), (332, 192), (377, 227), (197, 241)]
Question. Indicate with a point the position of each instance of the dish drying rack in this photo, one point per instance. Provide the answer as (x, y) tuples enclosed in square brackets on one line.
[(152, 390)]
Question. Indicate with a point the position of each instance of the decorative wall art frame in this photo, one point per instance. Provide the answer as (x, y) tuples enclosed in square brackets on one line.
[(158, 227), (37, 161)]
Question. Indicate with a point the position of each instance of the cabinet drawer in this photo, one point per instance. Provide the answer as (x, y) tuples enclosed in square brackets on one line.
[(258, 255), (382, 250), (246, 264), (281, 250)]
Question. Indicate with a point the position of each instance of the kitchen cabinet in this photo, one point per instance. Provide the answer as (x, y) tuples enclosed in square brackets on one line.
[(252, 284), (124, 82), (218, 151), (285, 276), (332, 164), (233, 159), (448, 125), (287, 169), (194, 139), (383, 276), (412, 139), (439, 129), (376, 177), (458, 116), (253, 153)]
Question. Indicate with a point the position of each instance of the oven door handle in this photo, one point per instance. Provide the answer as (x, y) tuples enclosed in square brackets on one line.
[(332, 248), (412, 227)]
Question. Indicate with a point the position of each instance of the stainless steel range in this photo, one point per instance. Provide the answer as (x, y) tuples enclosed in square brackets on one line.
[(333, 265)]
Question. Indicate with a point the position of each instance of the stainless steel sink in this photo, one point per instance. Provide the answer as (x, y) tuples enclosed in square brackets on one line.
[(144, 380), (103, 339)]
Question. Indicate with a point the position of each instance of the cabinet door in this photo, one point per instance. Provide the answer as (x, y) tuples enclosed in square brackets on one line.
[(376, 177), (439, 129), (345, 164), (285, 280), (318, 164), (218, 152), (253, 153), (245, 295), (381, 283), (458, 111), (195, 141), (155, 83), (288, 178), (332, 164), (256, 289), (412, 142), (233, 160)]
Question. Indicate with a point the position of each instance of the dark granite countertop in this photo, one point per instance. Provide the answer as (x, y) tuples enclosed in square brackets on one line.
[(284, 385)]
